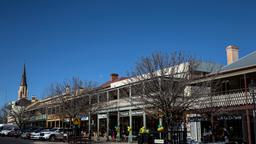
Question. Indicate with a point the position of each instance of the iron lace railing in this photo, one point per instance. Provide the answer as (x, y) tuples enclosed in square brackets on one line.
[(224, 99)]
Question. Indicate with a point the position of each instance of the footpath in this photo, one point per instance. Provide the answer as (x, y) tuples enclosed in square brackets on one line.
[(104, 141)]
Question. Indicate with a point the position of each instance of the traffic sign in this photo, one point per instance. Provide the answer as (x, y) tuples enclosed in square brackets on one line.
[(76, 121)]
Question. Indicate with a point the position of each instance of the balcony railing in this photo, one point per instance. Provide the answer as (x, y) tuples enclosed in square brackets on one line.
[(224, 99)]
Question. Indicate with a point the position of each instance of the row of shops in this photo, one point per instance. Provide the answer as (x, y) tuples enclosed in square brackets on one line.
[(226, 113)]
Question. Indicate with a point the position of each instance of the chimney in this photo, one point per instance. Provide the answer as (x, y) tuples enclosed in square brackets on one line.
[(67, 90), (114, 76), (34, 99), (232, 54), (79, 91)]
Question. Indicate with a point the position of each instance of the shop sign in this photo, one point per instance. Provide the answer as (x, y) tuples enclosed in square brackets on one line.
[(66, 120), (101, 116), (197, 119), (158, 141), (84, 118), (134, 113), (53, 116), (229, 117)]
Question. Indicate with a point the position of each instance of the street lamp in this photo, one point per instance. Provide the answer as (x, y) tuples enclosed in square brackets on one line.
[(252, 89)]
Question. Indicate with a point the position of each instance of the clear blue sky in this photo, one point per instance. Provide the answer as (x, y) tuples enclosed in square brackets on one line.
[(58, 39)]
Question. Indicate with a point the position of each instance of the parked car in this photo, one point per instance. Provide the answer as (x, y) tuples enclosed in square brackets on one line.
[(52, 134), (25, 133), (35, 135), (15, 132), (9, 130)]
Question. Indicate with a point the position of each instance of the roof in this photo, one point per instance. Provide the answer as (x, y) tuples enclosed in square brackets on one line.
[(244, 62), (208, 67), (107, 84), (23, 102)]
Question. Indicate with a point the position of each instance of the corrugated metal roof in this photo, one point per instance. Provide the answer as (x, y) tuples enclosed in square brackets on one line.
[(208, 67), (246, 61)]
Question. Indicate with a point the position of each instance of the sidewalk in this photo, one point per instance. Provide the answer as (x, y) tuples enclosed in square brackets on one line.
[(104, 140)]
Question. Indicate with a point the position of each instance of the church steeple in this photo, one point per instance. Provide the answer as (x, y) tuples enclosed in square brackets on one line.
[(23, 90), (24, 77)]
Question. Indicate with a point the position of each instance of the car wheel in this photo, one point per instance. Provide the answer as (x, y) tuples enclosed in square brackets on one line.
[(52, 138)]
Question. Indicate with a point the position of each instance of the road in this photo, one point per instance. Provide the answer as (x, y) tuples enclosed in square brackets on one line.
[(11, 140)]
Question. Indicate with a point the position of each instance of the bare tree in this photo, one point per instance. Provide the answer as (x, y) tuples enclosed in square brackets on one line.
[(76, 97), (71, 96), (4, 114), (17, 114), (163, 84)]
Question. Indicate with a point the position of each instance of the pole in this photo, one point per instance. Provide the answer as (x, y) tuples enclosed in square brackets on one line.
[(247, 112), (89, 121), (118, 116), (160, 123), (130, 123), (98, 128), (130, 116), (108, 118), (108, 127)]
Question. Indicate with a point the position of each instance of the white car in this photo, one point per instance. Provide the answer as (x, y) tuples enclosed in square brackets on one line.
[(36, 134), (5, 132), (52, 134), (7, 129)]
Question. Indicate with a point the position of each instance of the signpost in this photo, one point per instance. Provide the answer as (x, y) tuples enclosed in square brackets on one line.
[(76, 121)]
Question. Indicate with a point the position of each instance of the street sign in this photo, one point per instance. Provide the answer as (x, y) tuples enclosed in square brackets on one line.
[(76, 121)]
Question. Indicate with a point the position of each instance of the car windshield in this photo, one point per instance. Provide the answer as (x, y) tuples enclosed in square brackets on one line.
[(45, 130), (8, 128)]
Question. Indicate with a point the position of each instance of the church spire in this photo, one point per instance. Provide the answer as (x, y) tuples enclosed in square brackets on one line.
[(23, 90), (24, 77)]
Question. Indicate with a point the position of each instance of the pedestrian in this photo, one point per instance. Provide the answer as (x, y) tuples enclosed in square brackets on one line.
[(113, 135)]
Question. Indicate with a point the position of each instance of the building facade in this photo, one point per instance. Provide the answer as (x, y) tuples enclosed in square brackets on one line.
[(228, 105)]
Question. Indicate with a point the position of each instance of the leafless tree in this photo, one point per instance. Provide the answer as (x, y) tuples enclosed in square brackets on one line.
[(4, 114), (162, 83), (17, 114), (72, 96), (76, 98)]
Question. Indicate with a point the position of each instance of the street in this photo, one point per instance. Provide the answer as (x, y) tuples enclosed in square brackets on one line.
[(12, 140)]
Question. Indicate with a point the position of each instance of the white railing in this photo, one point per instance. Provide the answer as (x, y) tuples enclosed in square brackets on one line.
[(223, 100)]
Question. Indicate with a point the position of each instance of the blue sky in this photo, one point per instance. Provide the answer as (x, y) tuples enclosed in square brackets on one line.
[(58, 39)]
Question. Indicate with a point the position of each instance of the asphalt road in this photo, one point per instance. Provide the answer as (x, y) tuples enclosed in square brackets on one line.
[(12, 140)]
